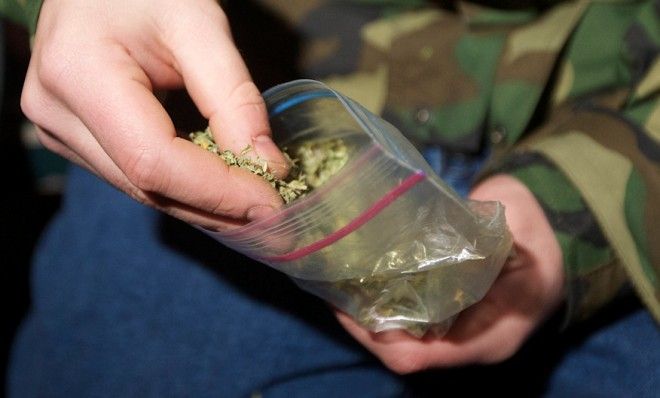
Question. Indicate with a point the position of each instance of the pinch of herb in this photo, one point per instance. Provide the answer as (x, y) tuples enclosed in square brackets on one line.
[(297, 182)]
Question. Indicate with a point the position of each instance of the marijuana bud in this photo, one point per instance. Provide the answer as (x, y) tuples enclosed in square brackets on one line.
[(312, 163)]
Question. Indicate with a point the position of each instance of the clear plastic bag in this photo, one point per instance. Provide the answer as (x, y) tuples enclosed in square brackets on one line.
[(384, 239)]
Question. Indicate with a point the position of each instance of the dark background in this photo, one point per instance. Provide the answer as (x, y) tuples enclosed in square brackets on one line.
[(23, 210)]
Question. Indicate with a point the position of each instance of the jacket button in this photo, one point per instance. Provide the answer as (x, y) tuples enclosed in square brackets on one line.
[(422, 116), (497, 134)]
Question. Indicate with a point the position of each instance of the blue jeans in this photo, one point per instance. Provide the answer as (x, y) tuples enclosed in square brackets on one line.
[(127, 302)]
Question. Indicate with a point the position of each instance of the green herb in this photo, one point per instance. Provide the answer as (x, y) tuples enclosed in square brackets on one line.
[(312, 163), (320, 160)]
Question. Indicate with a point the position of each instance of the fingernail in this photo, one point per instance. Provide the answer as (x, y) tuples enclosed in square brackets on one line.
[(263, 144), (260, 212), (266, 149)]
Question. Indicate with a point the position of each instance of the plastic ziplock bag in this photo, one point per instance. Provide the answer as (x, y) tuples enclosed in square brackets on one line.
[(384, 239)]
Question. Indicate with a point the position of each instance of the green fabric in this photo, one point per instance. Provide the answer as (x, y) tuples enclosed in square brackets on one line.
[(597, 62), (550, 187), (514, 119), (584, 249), (24, 12), (636, 199)]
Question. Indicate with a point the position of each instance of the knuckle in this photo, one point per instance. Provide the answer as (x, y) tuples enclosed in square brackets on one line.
[(142, 171), (34, 104), (54, 69), (30, 103), (246, 93)]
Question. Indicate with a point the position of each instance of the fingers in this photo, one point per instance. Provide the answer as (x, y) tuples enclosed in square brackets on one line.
[(404, 354), (125, 135), (90, 89), (490, 331), (74, 142), (218, 81)]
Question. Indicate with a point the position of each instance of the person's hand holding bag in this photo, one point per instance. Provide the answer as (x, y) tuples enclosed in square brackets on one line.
[(528, 290), (89, 89)]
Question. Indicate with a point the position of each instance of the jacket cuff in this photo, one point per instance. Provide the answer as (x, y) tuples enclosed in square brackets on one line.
[(593, 274)]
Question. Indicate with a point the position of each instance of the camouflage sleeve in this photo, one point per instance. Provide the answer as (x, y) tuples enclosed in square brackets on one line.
[(597, 181), (528, 80), (24, 12), (595, 168), (593, 275)]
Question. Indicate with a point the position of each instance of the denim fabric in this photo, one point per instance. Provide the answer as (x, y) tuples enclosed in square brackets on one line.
[(130, 303), (458, 170), (620, 358)]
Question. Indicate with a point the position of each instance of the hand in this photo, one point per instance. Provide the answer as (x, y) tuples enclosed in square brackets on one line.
[(527, 291), (89, 90)]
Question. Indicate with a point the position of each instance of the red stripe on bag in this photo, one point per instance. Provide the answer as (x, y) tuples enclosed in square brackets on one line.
[(356, 223)]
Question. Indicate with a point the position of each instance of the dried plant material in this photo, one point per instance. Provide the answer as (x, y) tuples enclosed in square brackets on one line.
[(320, 160), (312, 163)]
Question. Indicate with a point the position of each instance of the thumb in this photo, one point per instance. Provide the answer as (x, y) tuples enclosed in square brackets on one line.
[(242, 121), (220, 85)]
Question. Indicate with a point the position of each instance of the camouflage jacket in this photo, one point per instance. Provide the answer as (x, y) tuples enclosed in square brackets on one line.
[(565, 95)]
